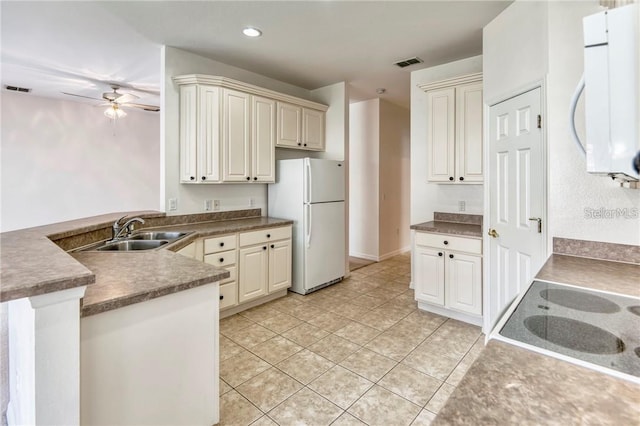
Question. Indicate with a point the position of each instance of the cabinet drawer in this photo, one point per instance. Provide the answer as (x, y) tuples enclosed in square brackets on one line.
[(222, 259), (449, 242), (233, 273), (217, 244), (228, 295), (264, 235)]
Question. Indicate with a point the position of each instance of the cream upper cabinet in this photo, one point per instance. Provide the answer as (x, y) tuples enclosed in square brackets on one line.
[(229, 129), (300, 128), (454, 130), (199, 134)]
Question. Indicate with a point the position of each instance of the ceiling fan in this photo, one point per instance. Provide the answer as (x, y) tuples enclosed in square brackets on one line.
[(115, 100)]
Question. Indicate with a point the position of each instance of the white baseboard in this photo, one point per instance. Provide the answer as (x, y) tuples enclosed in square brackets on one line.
[(382, 257), (471, 319)]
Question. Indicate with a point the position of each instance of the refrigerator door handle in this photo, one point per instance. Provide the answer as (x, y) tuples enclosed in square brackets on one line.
[(307, 169), (307, 221)]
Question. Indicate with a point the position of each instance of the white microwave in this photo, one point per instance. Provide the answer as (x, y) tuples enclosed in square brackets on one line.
[(612, 111)]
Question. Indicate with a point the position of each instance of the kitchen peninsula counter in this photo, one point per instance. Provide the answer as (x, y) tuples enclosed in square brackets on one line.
[(466, 225), (35, 261), (511, 385)]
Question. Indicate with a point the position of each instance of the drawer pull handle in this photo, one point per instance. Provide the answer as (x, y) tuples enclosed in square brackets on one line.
[(268, 235), (221, 244), (450, 256), (221, 296), (439, 253), (221, 259), (446, 242)]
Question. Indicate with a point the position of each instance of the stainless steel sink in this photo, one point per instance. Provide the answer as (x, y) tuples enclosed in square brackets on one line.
[(132, 245), (157, 235)]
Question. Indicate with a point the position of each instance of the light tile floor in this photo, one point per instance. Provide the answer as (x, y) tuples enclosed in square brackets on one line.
[(356, 353)]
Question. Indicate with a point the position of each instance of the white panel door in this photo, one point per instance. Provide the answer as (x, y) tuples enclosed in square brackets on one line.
[(253, 272), (441, 135), (469, 133), (236, 137), (279, 265), (263, 139), (517, 199), (429, 275), (324, 254), (188, 134), (324, 180), (464, 282)]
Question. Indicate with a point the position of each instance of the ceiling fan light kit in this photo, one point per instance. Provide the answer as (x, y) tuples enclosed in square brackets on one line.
[(115, 101), (113, 112)]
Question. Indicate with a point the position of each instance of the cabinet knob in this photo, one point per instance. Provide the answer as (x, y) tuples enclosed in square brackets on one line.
[(450, 177), (192, 178), (221, 296), (222, 244), (248, 178), (272, 245), (446, 243), (461, 178), (264, 248), (305, 144), (221, 259), (204, 178), (255, 178), (439, 253), (268, 235), (450, 256), (299, 144)]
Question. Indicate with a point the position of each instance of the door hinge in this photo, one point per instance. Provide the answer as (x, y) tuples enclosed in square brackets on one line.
[(539, 121)]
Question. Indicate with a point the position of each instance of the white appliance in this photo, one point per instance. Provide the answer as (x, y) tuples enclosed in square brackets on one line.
[(310, 192), (612, 114)]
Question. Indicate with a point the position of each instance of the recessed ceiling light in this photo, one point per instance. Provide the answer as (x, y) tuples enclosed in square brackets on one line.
[(251, 32)]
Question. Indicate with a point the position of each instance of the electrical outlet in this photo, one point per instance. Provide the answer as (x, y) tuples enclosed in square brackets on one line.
[(208, 205), (173, 204), (462, 205), (216, 204), (252, 202)]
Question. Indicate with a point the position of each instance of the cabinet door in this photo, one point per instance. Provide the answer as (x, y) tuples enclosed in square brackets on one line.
[(279, 265), (441, 135), (188, 133), (253, 276), (236, 141), (464, 278), (263, 139), (469, 133), (312, 129), (429, 273), (208, 134), (289, 125)]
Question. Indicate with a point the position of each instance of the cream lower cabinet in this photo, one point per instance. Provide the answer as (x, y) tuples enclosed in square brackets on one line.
[(447, 274), (264, 262), (222, 252)]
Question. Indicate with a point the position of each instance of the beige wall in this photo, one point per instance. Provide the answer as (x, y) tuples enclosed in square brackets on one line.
[(379, 179)]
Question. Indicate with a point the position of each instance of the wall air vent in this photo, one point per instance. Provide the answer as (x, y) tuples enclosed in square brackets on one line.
[(407, 62), (17, 89)]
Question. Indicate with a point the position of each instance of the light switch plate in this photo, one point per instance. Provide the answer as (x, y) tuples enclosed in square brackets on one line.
[(173, 204)]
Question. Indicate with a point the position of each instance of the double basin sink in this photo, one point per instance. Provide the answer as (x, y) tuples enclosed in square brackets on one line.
[(144, 240)]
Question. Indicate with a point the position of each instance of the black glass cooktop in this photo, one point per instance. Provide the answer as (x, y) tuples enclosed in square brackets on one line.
[(599, 328)]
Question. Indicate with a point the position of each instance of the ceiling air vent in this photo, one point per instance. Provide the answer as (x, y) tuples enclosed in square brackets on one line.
[(17, 89), (411, 61)]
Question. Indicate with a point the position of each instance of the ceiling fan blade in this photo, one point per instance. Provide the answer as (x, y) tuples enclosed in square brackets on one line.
[(144, 107), (81, 96), (125, 98)]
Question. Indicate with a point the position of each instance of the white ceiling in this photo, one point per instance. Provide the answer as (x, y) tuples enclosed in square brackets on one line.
[(80, 47)]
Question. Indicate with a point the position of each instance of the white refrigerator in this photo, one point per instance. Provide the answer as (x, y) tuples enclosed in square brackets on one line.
[(310, 192)]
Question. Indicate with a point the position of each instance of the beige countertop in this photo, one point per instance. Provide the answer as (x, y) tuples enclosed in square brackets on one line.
[(454, 228), (32, 264), (512, 385)]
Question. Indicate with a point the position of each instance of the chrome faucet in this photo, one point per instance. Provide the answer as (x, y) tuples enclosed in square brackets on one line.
[(120, 231)]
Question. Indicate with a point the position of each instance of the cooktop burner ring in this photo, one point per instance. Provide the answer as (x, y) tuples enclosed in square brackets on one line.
[(580, 301)]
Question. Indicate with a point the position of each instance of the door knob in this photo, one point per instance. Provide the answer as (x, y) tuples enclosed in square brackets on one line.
[(492, 233)]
